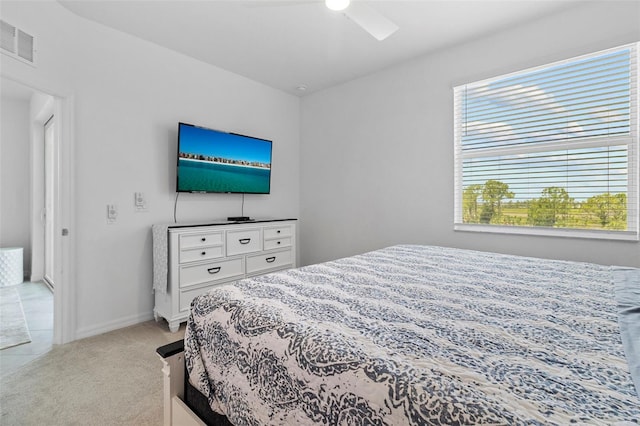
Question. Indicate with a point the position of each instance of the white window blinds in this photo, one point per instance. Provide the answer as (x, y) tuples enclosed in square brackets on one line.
[(551, 149)]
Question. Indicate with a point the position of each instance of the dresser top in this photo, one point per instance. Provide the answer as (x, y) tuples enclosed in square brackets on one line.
[(221, 222)]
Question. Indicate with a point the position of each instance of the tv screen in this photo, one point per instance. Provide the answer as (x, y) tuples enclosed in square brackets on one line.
[(214, 161)]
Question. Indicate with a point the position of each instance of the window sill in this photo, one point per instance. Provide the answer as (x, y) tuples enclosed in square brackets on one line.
[(549, 232)]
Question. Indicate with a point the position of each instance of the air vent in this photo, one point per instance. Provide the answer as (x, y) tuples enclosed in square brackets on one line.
[(8, 37), (17, 43), (25, 46)]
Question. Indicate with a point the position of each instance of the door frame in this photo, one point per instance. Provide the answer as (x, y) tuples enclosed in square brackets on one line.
[(64, 246), (48, 215), (65, 231)]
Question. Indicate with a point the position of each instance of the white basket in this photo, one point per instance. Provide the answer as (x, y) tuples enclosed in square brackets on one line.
[(11, 271)]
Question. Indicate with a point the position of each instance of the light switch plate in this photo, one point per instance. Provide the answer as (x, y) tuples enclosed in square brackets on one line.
[(140, 202), (112, 213)]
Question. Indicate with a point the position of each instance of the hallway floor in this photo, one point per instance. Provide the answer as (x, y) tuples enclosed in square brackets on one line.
[(37, 303)]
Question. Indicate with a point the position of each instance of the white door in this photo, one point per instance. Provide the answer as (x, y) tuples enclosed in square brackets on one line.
[(49, 197)]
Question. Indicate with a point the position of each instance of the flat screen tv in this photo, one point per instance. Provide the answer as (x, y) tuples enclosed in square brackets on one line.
[(215, 161)]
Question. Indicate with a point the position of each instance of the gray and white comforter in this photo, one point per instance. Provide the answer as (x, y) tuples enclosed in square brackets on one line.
[(415, 335)]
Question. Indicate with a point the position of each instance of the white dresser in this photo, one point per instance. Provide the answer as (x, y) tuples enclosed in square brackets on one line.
[(203, 256)]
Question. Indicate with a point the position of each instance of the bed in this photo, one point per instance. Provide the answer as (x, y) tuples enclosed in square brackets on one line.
[(421, 335)]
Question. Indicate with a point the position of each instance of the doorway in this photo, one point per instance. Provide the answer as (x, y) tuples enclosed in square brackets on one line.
[(33, 298), (51, 218)]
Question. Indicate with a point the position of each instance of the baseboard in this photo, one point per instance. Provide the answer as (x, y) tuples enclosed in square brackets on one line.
[(106, 327)]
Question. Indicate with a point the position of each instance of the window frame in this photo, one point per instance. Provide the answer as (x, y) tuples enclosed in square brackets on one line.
[(632, 233)]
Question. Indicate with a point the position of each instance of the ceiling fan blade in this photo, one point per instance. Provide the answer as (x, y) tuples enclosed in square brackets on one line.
[(370, 20)]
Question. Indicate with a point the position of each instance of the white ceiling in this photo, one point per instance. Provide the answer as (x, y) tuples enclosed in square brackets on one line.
[(287, 44)]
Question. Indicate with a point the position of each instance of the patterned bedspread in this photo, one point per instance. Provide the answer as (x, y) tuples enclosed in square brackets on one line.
[(415, 335)]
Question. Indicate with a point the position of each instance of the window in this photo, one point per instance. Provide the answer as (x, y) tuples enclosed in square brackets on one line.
[(551, 150)]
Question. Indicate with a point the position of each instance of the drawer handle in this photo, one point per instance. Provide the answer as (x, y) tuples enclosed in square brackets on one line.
[(203, 253), (279, 242), (244, 240), (271, 259), (204, 239), (214, 270), (278, 231)]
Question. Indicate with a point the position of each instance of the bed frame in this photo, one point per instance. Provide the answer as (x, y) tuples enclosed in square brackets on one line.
[(183, 404), (176, 412)]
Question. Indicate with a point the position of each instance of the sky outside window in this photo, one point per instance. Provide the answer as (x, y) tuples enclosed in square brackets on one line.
[(556, 134)]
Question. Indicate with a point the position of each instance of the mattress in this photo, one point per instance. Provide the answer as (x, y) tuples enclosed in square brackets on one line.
[(415, 335)]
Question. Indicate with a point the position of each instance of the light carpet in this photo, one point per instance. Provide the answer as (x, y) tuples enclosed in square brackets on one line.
[(111, 379), (13, 325)]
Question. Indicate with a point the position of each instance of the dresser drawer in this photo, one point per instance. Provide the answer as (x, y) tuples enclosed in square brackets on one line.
[(210, 271), (201, 246), (187, 296), (243, 241), (264, 262), (277, 232), (277, 243), (204, 239), (205, 253)]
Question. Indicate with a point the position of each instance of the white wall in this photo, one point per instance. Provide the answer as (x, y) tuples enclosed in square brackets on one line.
[(129, 96), (377, 152), (15, 177)]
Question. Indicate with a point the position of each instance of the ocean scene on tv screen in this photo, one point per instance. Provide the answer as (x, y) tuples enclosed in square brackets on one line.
[(213, 161)]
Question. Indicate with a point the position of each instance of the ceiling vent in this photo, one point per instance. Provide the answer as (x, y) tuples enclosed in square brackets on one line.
[(17, 43)]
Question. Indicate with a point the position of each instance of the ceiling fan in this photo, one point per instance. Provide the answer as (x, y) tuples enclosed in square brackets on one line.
[(372, 21), (368, 18)]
